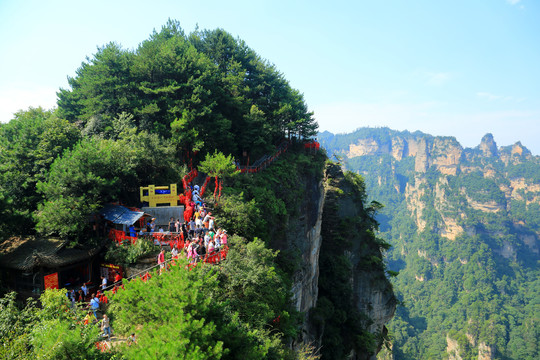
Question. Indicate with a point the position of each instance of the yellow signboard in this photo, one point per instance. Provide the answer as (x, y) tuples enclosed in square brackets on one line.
[(155, 195)]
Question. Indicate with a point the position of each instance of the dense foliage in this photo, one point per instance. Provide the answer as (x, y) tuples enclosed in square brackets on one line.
[(132, 117), (205, 91), (262, 205), (136, 117), (206, 313), (97, 171), (54, 330), (29, 144), (480, 289)]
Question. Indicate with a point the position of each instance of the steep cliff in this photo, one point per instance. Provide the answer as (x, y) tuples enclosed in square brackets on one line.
[(442, 152), (304, 238), (318, 218), (465, 228), (355, 299)]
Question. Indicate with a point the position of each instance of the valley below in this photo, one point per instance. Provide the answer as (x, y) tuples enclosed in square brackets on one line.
[(464, 225)]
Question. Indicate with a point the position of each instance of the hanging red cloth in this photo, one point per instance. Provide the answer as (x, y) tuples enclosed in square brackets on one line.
[(204, 185), (220, 187), (216, 188)]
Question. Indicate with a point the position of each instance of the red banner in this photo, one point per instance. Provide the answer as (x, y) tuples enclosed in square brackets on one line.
[(51, 281)]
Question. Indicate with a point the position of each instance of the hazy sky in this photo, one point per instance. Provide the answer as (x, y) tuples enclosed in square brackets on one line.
[(459, 68)]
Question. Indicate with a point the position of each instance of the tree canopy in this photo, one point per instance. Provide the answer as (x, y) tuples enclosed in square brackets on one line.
[(133, 117), (206, 90)]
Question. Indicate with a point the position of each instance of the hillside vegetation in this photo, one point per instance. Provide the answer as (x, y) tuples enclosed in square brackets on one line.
[(145, 116), (135, 117), (464, 226)]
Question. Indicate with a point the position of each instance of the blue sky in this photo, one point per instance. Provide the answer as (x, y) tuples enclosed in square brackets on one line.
[(455, 68)]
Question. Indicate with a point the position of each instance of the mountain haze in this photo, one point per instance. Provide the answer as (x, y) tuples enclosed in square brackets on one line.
[(465, 225)]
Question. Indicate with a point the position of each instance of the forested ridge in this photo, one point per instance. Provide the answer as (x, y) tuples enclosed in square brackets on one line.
[(133, 117), (147, 116), (464, 228)]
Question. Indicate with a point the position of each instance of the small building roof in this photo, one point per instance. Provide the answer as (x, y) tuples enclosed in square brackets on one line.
[(31, 252), (119, 214)]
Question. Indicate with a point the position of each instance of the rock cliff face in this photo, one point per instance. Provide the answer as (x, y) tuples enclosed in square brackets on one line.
[(443, 152), (304, 236), (452, 214), (446, 156), (372, 294), (454, 350), (488, 146)]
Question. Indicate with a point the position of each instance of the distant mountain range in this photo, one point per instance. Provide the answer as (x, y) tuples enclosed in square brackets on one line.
[(465, 227)]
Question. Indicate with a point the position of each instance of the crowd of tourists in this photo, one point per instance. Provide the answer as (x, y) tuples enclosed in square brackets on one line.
[(197, 239)]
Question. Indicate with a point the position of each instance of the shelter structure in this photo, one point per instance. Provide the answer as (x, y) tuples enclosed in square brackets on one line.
[(29, 265), (123, 223), (121, 218)]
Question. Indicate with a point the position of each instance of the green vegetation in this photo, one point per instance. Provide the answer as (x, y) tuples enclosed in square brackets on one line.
[(528, 170), (52, 331), (143, 116), (208, 312), (218, 166), (29, 144), (262, 205), (126, 253), (97, 171), (219, 313), (482, 286), (204, 91), (133, 117)]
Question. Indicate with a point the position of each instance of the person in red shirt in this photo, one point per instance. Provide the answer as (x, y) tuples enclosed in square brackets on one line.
[(118, 278)]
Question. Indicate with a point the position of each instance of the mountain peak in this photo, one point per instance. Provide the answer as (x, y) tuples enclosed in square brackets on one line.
[(488, 146), (519, 149)]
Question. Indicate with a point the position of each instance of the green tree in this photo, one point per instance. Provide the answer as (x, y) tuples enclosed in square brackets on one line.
[(255, 288), (207, 91), (219, 167), (28, 146), (54, 330), (240, 216), (15, 322), (97, 171), (181, 314), (60, 333), (101, 89)]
